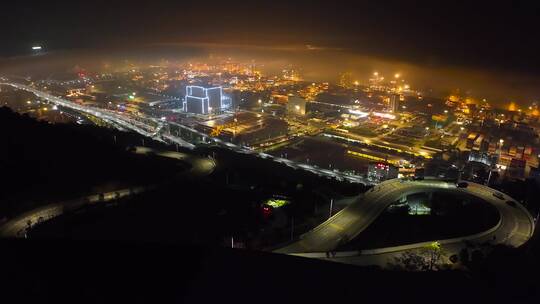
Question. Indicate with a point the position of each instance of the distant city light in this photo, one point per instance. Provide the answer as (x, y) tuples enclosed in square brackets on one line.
[(359, 113), (384, 115), (36, 48)]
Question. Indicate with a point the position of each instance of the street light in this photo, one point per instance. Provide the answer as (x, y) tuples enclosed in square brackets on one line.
[(396, 75)]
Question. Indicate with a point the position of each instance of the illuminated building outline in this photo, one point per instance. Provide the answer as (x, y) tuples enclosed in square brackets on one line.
[(205, 99)]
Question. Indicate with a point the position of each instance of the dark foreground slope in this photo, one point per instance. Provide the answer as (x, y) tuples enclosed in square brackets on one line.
[(106, 272), (42, 162)]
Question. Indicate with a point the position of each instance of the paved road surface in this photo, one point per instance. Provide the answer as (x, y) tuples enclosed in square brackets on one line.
[(515, 227), (16, 227), (200, 166)]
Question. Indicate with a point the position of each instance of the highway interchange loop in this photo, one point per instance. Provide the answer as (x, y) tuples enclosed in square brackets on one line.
[(514, 228)]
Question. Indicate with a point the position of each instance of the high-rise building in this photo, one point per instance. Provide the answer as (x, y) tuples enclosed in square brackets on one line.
[(394, 103), (200, 100), (215, 98)]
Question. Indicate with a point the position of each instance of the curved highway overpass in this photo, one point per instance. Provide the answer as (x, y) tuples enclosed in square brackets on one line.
[(514, 227)]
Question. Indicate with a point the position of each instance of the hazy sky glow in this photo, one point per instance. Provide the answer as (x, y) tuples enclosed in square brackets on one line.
[(486, 49), (317, 64)]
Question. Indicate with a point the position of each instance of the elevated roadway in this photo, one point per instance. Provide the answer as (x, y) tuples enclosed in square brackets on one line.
[(514, 228)]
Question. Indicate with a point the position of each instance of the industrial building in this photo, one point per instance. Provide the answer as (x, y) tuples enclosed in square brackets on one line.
[(382, 171), (200, 100)]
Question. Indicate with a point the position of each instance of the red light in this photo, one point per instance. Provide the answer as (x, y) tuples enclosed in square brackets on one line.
[(267, 211)]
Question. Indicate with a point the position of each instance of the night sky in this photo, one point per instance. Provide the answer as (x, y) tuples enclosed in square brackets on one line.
[(481, 36)]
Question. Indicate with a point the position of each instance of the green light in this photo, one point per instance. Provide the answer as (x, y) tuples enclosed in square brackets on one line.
[(435, 246), (276, 203), (131, 97)]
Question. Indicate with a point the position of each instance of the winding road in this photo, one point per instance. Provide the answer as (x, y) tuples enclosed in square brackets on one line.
[(17, 226), (514, 227)]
